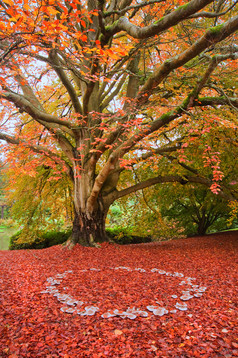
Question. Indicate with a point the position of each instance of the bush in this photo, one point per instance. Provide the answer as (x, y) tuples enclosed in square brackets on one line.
[(7, 223), (123, 236), (44, 240), (119, 235)]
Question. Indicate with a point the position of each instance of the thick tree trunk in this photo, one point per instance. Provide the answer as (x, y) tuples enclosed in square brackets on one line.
[(90, 208), (201, 230), (89, 231), (203, 225)]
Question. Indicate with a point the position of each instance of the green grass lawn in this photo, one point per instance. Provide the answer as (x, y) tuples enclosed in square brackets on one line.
[(5, 234)]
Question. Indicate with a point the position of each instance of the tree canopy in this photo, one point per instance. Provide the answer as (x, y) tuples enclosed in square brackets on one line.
[(93, 89)]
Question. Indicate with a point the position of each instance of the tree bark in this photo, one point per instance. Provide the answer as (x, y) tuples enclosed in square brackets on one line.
[(2, 211), (201, 230), (88, 231), (89, 217), (203, 224)]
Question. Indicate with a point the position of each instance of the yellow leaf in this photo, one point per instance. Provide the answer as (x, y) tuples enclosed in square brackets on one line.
[(8, 2), (14, 18), (52, 11), (26, 7)]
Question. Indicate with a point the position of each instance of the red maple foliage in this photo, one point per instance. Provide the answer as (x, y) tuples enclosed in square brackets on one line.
[(33, 325)]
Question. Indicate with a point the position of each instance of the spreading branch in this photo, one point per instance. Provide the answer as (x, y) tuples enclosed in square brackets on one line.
[(211, 37), (163, 24), (170, 179)]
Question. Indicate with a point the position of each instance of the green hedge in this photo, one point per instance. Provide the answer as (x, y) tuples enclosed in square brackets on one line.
[(123, 236), (46, 239), (119, 235)]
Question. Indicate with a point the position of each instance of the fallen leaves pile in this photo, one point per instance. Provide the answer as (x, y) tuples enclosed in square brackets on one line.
[(172, 299)]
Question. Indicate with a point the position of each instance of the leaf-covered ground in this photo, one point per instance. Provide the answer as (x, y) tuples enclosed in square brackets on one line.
[(32, 323)]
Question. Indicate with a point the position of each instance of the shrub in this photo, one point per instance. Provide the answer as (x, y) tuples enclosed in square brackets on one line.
[(44, 240), (7, 223), (123, 236), (119, 235)]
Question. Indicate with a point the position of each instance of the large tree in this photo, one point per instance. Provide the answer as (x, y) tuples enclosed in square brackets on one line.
[(102, 86)]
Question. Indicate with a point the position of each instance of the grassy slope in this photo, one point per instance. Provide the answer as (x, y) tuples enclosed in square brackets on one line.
[(5, 234)]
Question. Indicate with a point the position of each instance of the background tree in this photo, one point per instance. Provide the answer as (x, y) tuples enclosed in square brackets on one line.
[(169, 210), (3, 201), (100, 86), (198, 210), (39, 202)]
